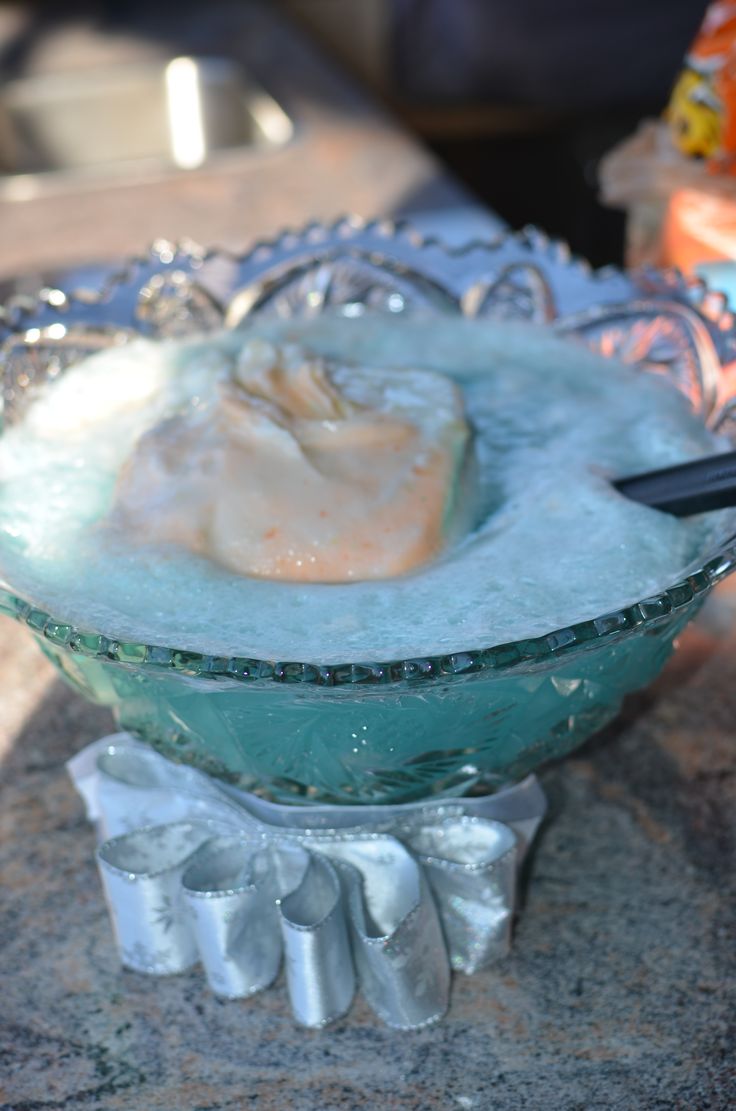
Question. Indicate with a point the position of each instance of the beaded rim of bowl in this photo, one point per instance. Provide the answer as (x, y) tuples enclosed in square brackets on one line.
[(657, 320)]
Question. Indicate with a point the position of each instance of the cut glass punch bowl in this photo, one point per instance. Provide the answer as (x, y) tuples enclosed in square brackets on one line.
[(383, 730)]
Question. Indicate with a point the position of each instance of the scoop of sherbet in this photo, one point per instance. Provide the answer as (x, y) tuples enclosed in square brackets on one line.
[(303, 471)]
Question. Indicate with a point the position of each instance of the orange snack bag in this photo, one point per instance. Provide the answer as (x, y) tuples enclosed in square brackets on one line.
[(702, 108)]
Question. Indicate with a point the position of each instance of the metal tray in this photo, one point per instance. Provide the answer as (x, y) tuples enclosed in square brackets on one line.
[(63, 131)]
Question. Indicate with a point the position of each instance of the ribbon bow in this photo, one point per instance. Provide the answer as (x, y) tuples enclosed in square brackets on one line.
[(390, 897)]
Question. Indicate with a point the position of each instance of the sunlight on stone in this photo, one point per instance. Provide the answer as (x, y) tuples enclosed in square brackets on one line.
[(27, 678)]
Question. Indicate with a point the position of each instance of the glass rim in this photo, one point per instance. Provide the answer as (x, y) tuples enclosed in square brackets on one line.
[(639, 616), (406, 249)]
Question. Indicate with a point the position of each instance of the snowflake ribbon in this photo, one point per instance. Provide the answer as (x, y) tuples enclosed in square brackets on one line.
[(390, 898)]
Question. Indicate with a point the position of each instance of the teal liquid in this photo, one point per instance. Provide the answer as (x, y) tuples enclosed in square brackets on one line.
[(386, 744)]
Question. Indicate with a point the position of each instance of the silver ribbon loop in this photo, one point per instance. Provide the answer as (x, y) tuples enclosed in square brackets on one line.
[(387, 897), (404, 973), (231, 895), (141, 875), (471, 864), (319, 967), (398, 945)]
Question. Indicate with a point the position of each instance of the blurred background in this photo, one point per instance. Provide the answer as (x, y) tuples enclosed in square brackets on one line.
[(521, 98), (122, 120)]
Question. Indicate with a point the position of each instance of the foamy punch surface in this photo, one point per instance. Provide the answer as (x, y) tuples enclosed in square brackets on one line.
[(539, 538)]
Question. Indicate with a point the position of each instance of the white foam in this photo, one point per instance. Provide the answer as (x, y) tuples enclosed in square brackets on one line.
[(552, 421)]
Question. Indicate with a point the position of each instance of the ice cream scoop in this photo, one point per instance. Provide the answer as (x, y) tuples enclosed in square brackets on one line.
[(303, 472)]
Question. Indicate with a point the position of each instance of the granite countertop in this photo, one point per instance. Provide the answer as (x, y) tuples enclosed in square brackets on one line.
[(619, 991)]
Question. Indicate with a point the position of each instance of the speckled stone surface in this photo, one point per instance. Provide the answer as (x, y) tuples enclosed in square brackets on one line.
[(619, 993)]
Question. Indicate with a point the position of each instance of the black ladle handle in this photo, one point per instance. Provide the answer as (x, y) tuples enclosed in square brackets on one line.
[(689, 488)]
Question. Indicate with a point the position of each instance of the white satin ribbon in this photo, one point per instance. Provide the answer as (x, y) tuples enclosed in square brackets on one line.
[(387, 897)]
